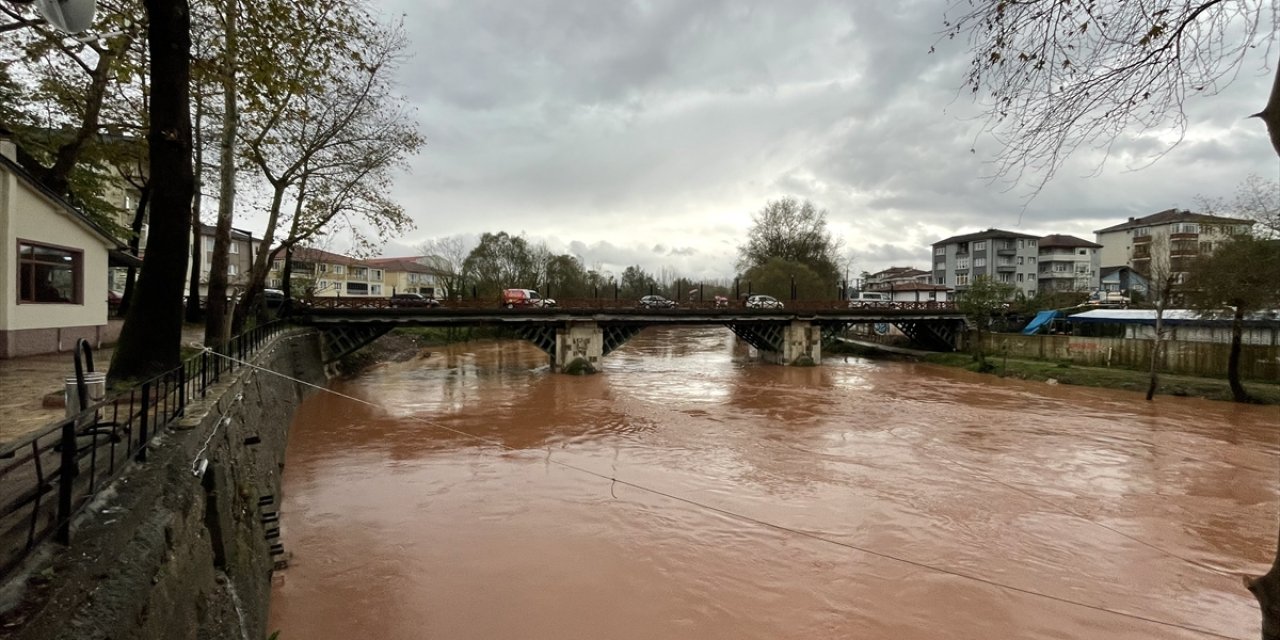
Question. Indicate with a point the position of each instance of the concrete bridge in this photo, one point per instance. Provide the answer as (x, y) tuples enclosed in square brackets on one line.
[(577, 334)]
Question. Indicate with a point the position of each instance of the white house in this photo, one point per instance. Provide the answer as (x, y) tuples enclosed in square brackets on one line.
[(53, 260)]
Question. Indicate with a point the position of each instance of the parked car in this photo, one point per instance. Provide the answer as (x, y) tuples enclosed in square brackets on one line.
[(656, 302), (859, 299), (761, 301), (273, 298), (512, 298), (413, 300)]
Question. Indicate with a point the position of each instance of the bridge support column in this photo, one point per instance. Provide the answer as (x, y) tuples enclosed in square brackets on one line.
[(579, 348), (801, 345)]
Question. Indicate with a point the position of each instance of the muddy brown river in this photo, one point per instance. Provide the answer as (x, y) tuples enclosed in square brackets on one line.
[(467, 495)]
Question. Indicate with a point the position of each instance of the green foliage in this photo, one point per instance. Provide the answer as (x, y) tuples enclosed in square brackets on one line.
[(796, 233), (1243, 273), (775, 276), (502, 261), (637, 282), (982, 302)]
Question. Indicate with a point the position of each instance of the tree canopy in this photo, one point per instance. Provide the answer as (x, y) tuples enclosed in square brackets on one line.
[(793, 232)]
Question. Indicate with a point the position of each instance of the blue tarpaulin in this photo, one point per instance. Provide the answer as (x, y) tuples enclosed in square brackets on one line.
[(1042, 318)]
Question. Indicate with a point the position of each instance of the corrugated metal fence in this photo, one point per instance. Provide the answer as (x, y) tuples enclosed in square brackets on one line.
[(1207, 359)]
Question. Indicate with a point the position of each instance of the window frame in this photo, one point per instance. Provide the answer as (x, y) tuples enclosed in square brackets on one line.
[(77, 272)]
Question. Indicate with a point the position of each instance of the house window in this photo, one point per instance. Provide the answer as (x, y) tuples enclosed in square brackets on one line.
[(323, 268), (235, 248), (1020, 275), (1031, 259), (208, 243), (375, 289), (50, 274), (376, 274), (1005, 277), (1020, 257), (1020, 241), (962, 279), (1186, 227), (962, 263), (338, 269), (278, 265), (1083, 252), (981, 245), (358, 288), (940, 251), (233, 270), (940, 266), (274, 283), (979, 263), (1206, 248)]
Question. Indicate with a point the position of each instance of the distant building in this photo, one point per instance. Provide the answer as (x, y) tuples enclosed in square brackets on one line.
[(239, 257), (1179, 235), (418, 274), (1002, 256), (319, 273), (1068, 263), (1122, 280), (883, 280)]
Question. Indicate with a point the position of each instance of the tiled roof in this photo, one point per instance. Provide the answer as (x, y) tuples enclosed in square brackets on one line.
[(317, 256), (237, 234), (1170, 216), (1059, 240), (411, 264), (899, 272), (984, 235)]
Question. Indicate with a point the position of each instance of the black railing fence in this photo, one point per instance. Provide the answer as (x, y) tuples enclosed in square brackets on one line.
[(48, 476)]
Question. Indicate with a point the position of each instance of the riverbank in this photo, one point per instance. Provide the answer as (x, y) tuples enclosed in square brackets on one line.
[(1111, 378)]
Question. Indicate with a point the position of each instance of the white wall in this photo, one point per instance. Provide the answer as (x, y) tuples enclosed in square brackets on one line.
[(26, 214)]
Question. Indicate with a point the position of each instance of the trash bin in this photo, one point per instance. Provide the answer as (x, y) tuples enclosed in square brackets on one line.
[(96, 384)]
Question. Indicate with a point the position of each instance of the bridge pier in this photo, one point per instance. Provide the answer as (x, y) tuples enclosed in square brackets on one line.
[(801, 343), (579, 348)]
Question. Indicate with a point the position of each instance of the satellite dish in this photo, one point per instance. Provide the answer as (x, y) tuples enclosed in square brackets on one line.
[(71, 16)]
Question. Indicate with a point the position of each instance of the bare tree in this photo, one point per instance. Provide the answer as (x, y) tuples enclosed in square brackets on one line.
[(1158, 269), (1256, 198), (1055, 75), (447, 254)]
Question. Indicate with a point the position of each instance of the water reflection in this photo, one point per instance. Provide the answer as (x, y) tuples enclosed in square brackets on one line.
[(431, 533)]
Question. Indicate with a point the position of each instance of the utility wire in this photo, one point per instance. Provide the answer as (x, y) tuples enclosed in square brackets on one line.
[(763, 523)]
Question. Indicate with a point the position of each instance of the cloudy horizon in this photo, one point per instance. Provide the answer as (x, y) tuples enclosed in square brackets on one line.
[(650, 132)]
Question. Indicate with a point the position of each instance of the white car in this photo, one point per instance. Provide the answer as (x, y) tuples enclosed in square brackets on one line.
[(760, 301)]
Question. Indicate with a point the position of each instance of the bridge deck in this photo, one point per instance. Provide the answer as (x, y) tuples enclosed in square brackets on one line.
[(378, 310)]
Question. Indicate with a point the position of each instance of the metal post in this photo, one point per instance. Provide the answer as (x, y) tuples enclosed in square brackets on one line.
[(67, 471), (737, 291), (204, 374), (793, 287), (182, 390), (144, 422)]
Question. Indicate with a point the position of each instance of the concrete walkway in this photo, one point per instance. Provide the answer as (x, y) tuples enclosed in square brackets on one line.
[(24, 383)]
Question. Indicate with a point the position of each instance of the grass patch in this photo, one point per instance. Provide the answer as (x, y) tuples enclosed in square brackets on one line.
[(1067, 373)]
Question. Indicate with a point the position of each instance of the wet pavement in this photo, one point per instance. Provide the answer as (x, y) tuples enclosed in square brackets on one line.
[(25, 382)]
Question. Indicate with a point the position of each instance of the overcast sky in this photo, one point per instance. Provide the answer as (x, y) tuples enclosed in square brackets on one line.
[(649, 131)]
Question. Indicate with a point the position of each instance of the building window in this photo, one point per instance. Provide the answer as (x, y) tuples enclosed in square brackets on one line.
[(962, 263), (50, 274), (357, 288), (1083, 252), (1206, 248), (1020, 241), (962, 280), (375, 289), (338, 269), (940, 266), (1006, 278), (208, 243), (275, 283), (1186, 227), (979, 263), (1020, 258), (323, 268), (233, 270), (981, 245), (278, 265), (376, 274), (1031, 259), (1020, 276), (235, 248), (940, 251)]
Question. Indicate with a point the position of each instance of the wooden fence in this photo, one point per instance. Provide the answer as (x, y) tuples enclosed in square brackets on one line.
[(1209, 359)]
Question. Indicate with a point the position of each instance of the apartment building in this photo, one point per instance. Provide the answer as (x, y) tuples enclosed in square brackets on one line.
[(239, 256), (894, 277), (1002, 256), (417, 274), (1171, 237), (1068, 263), (319, 273)]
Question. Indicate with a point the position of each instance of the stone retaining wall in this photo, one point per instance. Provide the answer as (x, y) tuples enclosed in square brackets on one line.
[(177, 549)]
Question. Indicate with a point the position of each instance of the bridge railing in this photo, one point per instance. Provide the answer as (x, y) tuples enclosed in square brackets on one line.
[(606, 304), (49, 476)]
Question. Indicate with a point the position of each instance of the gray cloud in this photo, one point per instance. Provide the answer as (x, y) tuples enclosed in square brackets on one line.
[(649, 132)]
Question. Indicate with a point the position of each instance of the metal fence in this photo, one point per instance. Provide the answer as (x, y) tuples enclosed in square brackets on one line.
[(48, 476), (608, 304)]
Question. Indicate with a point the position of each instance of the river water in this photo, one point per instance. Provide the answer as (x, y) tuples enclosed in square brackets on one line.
[(466, 494)]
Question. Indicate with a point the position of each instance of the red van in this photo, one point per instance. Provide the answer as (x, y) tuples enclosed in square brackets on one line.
[(512, 298)]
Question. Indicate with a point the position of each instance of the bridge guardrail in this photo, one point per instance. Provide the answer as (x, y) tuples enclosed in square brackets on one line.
[(603, 304), (48, 476)]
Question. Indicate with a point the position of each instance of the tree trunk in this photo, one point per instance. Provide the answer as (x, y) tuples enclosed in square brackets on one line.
[(150, 341), (68, 154), (197, 237), (215, 327), (135, 242), (1155, 350), (1233, 360)]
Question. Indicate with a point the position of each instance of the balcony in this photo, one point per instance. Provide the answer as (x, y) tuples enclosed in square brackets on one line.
[(1010, 251), (1006, 268)]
